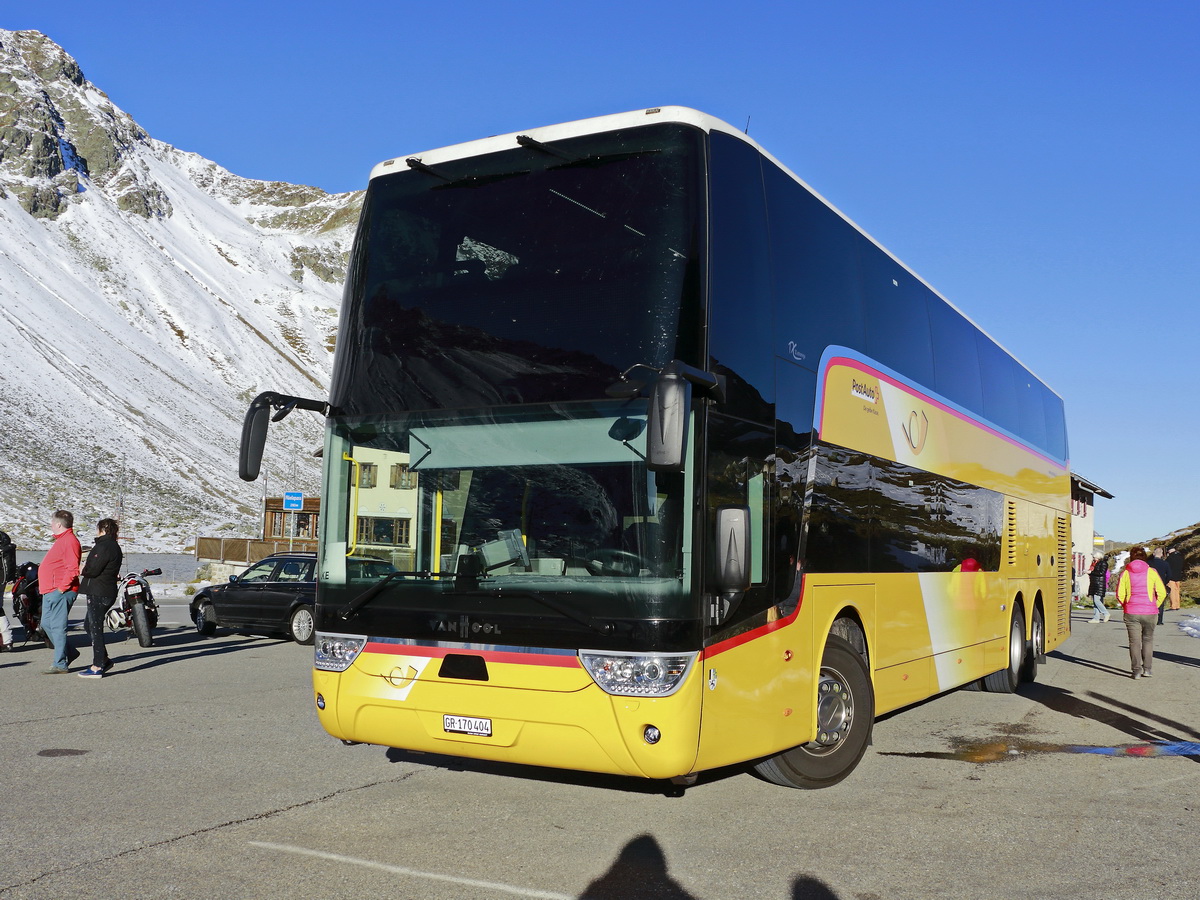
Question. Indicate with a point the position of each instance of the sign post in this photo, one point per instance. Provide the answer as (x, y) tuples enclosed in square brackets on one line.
[(293, 501)]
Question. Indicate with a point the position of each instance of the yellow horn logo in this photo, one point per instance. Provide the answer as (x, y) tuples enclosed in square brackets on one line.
[(916, 430)]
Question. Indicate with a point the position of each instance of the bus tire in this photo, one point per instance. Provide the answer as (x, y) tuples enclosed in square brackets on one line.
[(1006, 680), (1035, 651), (845, 717), (141, 624)]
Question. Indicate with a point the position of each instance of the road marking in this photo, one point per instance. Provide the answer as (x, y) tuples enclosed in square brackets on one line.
[(414, 873)]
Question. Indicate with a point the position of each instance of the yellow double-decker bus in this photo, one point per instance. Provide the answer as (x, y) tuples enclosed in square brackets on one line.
[(675, 466)]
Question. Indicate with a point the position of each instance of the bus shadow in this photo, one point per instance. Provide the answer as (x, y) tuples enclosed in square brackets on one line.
[(627, 784)]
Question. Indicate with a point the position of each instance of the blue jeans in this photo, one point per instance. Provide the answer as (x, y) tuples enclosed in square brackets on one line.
[(1098, 602), (56, 605)]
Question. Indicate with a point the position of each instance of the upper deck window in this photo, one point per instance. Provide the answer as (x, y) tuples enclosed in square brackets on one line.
[(525, 274)]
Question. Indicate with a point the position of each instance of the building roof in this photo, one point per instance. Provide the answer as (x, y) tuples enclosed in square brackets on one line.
[(1090, 486)]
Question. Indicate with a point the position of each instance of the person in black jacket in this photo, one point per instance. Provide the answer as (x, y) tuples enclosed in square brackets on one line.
[(101, 572), (1159, 564), (1175, 565)]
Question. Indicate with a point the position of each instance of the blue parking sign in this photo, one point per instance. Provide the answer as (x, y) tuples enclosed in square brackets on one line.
[(293, 500)]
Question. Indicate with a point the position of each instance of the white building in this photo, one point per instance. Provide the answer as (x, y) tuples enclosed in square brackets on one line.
[(1085, 540)]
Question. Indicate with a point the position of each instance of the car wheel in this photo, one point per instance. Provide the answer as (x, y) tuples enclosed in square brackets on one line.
[(301, 625), (206, 621)]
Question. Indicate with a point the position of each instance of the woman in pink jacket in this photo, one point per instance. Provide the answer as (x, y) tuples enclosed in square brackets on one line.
[(1141, 592)]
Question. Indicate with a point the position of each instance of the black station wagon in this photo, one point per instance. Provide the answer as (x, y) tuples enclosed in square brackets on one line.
[(273, 596)]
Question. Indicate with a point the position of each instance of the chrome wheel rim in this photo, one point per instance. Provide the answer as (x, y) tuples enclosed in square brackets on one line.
[(302, 625), (835, 711)]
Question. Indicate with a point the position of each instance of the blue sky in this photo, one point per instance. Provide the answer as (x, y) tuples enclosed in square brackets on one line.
[(1036, 162)]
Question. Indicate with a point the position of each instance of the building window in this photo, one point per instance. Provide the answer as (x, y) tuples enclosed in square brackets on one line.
[(388, 532), (368, 475), (276, 524), (402, 478)]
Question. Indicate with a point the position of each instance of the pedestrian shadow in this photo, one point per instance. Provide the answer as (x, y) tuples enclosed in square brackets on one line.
[(807, 888), (639, 871), (1176, 658), (1068, 703), (1088, 663), (1170, 723), (177, 647)]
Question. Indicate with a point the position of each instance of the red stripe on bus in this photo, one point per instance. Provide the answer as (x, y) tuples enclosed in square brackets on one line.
[(516, 657), (761, 631)]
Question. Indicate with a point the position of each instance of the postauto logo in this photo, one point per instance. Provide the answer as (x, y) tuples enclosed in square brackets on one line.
[(868, 392)]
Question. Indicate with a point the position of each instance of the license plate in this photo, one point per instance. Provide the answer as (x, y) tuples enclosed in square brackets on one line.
[(134, 589), (467, 725)]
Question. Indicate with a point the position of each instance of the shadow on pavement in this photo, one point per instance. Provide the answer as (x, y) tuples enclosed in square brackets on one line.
[(629, 784), (171, 646), (640, 870)]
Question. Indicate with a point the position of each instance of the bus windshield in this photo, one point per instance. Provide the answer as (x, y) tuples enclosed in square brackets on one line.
[(532, 274), (538, 518)]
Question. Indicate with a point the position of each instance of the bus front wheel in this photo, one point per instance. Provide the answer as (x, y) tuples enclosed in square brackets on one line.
[(845, 717)]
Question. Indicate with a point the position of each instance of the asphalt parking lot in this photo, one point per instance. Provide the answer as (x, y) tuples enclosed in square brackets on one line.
[(197, 769)]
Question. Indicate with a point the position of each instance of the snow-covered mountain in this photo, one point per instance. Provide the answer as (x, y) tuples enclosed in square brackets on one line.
[(146, 295)]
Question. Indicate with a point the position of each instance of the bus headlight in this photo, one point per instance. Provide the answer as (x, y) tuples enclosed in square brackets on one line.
[(637, 674), (335, 652)]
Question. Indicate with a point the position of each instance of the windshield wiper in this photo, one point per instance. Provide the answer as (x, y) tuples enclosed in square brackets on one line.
[(357, 603), (562, 609)]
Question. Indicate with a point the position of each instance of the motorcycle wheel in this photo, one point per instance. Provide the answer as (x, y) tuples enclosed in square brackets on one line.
[(141, 625)]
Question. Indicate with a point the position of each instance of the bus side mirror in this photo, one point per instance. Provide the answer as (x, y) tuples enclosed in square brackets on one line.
[(254, 427), (254, 437), (731, 565), (733, 549), (667, 422), (670, 410)]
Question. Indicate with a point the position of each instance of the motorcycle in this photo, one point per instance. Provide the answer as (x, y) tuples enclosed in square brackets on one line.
[(136, 609), (27, 602)]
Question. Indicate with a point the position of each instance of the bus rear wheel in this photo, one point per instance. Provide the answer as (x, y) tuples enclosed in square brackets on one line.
[(1006, 680), (1035, 652), (845, 717)]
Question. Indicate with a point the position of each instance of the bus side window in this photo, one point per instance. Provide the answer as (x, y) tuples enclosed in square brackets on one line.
[(814, 269), (737, 476), (740, 311)]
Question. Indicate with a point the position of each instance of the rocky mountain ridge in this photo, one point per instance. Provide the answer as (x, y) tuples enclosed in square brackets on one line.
[(146, 295)]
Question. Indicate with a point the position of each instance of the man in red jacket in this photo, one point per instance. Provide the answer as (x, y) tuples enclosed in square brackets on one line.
[(58, 580)]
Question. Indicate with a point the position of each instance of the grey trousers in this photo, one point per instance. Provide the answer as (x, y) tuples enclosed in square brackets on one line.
[(1141, 641)]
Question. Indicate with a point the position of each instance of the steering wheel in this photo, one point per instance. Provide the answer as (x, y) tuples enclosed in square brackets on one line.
[(614, 562)]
